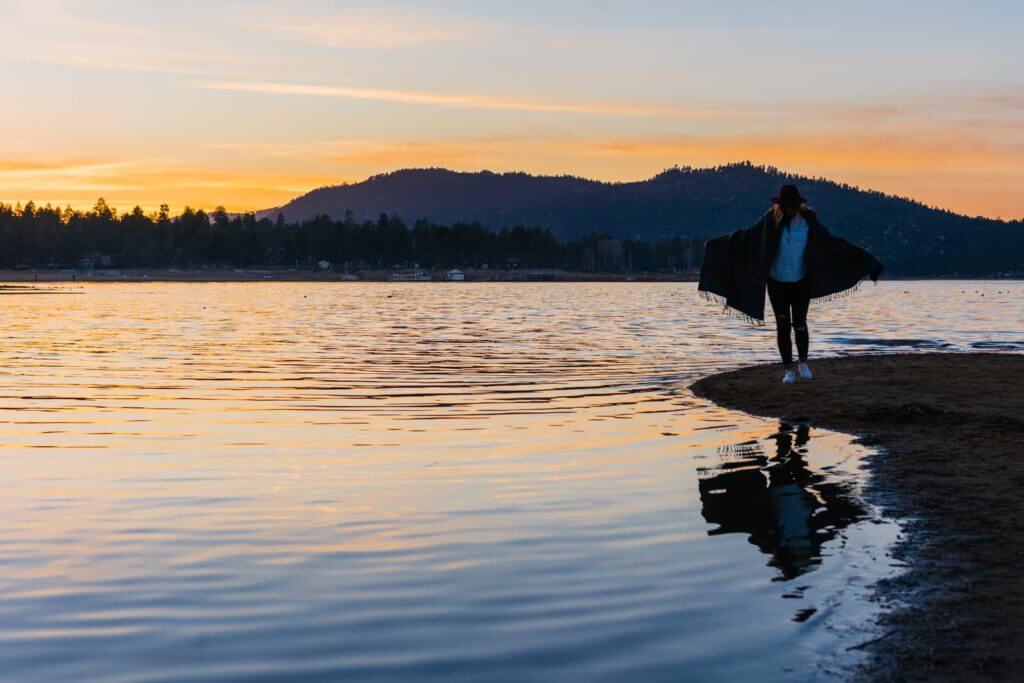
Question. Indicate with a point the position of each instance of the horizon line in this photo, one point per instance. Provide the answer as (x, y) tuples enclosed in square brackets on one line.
[(122, 207)]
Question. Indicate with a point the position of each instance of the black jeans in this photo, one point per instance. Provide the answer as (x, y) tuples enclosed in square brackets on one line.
[(790, 301)]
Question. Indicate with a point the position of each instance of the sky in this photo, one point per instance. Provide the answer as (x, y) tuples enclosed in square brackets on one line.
[(247, 104)]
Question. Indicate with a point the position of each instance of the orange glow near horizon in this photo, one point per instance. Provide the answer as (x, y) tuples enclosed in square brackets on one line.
[(138, 104), (245, 177)]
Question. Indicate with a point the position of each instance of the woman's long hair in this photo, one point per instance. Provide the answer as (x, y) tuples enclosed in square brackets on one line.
[(783, 218)]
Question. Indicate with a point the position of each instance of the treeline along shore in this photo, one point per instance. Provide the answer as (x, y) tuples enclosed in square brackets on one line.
[(910, 238), (438, 219), (48, 239)]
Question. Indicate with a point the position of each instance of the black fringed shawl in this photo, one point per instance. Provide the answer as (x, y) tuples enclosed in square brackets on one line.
[(735, 268)]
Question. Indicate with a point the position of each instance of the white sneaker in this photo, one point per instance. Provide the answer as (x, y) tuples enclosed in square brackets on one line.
[(789, 378), (805, 371)]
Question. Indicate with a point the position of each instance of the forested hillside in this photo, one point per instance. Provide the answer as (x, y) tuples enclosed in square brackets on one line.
[(913, 239)]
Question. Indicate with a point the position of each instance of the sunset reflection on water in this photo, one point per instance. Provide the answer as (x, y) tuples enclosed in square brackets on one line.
[(219, 481)]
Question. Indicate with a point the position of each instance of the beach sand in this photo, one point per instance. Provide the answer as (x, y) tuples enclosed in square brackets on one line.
[(950, 427)]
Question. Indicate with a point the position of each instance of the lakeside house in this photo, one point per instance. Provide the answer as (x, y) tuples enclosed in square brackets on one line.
[(409, 275), (456, 275)]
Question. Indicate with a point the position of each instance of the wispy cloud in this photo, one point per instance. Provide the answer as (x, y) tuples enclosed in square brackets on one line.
[(122, 57), (25, 170), (65, 33), (366, 28), (891, 151), (924, 115), (459, 101)]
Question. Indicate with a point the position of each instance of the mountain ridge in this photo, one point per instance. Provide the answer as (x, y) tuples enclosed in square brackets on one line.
[(912, 237)]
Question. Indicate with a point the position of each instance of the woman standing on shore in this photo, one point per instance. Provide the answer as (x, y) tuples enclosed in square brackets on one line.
[(791, 254)]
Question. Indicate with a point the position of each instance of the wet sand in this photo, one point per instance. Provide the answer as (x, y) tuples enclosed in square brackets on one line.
[(950, 428)]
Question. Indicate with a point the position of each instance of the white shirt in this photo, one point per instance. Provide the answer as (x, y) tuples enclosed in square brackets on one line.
[(789, 262)]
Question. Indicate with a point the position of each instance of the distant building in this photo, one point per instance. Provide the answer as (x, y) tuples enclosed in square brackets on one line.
[(456, 275), (409, 275), (107, 273)]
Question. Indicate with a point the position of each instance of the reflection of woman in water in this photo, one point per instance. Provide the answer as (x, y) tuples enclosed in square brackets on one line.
[(788, 510), (792, 506), (791, 253)]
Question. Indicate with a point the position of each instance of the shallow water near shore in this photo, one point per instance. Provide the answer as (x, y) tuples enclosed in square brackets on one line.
[(262, 481)]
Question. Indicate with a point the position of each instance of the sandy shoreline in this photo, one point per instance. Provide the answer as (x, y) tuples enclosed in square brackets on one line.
[(951, 432)]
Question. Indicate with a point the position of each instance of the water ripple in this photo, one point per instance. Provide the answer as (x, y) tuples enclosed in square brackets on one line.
[(208, 482)]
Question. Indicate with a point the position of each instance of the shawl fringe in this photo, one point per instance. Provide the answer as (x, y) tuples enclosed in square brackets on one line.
[(750, 320), (838, 296), (728, 310)]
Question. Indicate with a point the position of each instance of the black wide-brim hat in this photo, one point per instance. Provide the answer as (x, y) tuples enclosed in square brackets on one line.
[(789, 196)]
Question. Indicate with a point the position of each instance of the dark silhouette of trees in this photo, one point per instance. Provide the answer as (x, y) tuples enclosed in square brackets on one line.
[(32, 237), (911, 238), (658, 225)]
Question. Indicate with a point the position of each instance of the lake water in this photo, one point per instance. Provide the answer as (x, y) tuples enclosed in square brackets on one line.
[(262, 481)]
